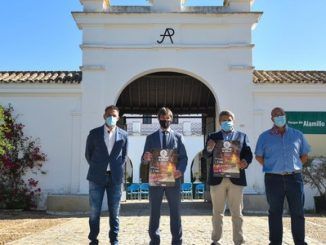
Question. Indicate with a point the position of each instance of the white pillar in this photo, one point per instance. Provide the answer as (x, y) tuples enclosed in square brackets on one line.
[(75, 160), (166, 5), (136, 128), (186, 128), (239, 5)]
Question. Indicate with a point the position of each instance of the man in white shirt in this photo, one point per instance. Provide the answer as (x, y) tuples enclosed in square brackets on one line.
[(106, 152)]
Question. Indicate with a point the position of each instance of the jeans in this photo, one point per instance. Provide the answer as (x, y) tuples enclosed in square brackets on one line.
[(174, 199), (277, 188), (96, 193)]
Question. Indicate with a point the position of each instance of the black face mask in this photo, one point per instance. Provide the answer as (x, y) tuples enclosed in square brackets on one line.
[(165, 124)]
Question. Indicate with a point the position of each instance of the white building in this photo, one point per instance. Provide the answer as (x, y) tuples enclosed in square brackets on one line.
[(196, 60)]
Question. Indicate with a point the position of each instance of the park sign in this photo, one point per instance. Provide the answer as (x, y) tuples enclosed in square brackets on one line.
[(312, 122)]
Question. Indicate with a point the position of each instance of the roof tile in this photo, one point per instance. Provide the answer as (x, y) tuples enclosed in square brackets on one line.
[(41, 77), (75, 77), (289, 77)]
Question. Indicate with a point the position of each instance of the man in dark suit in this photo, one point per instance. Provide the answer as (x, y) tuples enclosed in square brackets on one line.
[(228, 189), (166, 138), (106, 151)]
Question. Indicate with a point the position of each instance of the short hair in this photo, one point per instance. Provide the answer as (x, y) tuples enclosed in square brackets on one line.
[(277, 108), (163, 111), (111, 107), (226, 113)]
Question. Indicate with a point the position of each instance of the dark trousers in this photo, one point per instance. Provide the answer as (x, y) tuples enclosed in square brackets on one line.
[(174, 199), (277, 188), (96, 193)]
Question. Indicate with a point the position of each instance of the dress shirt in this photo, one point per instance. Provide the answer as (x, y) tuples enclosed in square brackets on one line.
[(109, 138), (282, 153), (168, 136)]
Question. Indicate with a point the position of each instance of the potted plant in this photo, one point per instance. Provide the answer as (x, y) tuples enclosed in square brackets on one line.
[(314, 174)]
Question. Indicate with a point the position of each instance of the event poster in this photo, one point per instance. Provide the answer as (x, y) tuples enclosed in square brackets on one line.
[(226, 159), (162, 167)]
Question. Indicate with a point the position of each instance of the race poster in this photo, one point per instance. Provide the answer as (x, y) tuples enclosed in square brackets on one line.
[(162, 167), (226, 156)]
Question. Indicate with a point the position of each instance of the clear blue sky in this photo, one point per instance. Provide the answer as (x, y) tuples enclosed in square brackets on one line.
[(42, 35)]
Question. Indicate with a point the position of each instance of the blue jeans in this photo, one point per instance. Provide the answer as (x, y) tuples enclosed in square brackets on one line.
[(277, 188), (174, 199), (96, 193)]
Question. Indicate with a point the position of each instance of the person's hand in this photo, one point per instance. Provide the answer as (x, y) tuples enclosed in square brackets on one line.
[(177, 174), (147, 156), (243, 164), (210, 145)]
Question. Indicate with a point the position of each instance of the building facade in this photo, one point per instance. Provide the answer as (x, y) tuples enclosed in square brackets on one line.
[(196, 60)]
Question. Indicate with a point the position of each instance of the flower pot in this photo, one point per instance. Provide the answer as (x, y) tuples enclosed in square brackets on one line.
[(320, 204)]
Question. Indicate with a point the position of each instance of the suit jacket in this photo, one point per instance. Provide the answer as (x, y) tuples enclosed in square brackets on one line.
[(245, 153), (175, 141), (98, 157)]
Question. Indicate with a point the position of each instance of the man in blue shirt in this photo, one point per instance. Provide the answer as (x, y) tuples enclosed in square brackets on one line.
[(282, 151)]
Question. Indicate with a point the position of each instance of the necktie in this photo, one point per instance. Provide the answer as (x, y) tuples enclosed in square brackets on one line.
[(165, 135)]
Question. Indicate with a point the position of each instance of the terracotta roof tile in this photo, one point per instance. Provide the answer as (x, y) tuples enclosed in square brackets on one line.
[(289, 77), (36, 77), (75, 77)]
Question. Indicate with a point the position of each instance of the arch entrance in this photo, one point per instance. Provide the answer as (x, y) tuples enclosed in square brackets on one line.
[(190, 100)]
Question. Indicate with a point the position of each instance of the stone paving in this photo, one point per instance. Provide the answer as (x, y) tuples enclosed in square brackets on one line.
[(196, 221)]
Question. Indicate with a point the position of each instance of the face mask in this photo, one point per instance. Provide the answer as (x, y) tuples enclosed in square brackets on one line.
[(227, 126), (280, 121), (165, 124), (111, 121)]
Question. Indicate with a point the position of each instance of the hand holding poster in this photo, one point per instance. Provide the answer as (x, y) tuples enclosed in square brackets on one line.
[(226, 156), (162, 167)]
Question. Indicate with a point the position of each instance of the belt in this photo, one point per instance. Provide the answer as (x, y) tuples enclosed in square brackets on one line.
[(108, 173), (285, 173)]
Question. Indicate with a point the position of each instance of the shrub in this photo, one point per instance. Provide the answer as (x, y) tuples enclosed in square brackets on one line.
[(19, 155), (314, 174)]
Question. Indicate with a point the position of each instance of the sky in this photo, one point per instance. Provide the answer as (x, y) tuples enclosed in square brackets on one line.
[(42, 35)]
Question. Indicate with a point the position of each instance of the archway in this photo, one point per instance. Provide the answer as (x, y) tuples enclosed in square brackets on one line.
[(189, 98), (181, 92)]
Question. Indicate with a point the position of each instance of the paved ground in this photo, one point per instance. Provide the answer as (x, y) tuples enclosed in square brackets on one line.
[(196, 221)]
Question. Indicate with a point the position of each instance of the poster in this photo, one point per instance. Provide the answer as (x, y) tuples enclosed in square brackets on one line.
[(226, 157), (162, 167)]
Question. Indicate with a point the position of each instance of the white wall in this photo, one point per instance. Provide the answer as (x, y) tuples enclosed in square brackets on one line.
[(50, 113), (117, 49), (292, 98)]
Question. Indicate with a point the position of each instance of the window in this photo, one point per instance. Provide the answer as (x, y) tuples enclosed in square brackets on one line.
[(175, 119), (147, 119)]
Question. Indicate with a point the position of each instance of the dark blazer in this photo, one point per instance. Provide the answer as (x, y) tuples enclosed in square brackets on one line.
[(175, 141), (245, 153), (98, 157)]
